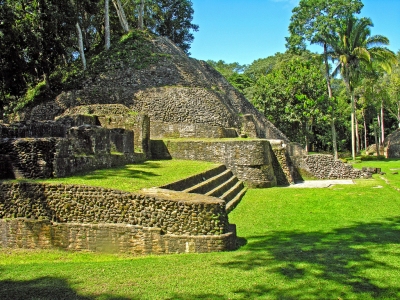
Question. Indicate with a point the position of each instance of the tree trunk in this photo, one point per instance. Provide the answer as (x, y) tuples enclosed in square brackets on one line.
[(85, 34), (398, 115), (382, 125), (141, 15), (357, 137), (328, 83), (365, 130), (353, 142), (376, 139), (306, 141), (80, 44), (357, 131), (121, 15), (107, 24), (379, 128), (334, 143), (346, 79)]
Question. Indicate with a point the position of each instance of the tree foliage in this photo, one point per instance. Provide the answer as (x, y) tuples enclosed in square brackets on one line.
[(234, 73), (391, 85), (312, 20), (38, 37), (345, 39), (292, 97), (173, 19)]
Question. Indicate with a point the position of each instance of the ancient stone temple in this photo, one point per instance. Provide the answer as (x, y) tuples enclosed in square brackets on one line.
[(174, 107)]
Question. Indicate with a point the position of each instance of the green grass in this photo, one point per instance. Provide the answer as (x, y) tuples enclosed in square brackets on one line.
[(134, 177), (341, 242), (388, 166)]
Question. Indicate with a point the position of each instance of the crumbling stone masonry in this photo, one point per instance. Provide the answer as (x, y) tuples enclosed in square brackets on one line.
[(249, 160), (113, 116), (392, 145), (107, 238), (71, 144), (326, 167), (284, 169), (91, 218)]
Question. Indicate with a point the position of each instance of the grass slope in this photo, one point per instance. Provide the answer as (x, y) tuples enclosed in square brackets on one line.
[(335, 243), (134, 177)]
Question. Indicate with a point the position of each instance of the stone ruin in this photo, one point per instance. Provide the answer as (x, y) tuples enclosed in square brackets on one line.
[(72, 143), (192, 113), (392, 145)]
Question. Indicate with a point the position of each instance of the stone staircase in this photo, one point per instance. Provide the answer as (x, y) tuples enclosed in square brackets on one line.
[(218, 182)]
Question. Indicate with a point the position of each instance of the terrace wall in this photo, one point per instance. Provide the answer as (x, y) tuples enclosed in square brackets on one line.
[(69, 145), (107, 238), (115, 116), (80, 217), (249, 160)]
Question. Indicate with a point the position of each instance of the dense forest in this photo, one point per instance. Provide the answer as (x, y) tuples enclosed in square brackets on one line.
[(39, 39), (346, 98)]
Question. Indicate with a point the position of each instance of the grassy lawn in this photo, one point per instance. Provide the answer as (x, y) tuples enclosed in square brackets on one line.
[(341, 242), (134, 177)]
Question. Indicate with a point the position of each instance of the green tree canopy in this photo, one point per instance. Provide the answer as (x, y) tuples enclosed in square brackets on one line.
[(173, 19), (312, 20), (292, 97), (356, 51)]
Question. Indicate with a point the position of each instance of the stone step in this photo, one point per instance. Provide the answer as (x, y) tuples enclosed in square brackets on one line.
[(191, 181), (232, 192), (235, 201), (222, 188), (218, 182), (209, 184)]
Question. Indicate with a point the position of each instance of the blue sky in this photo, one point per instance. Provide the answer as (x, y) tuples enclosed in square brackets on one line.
[(245, 30)]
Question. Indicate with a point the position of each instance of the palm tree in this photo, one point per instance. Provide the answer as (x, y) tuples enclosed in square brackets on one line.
[(353, 46)]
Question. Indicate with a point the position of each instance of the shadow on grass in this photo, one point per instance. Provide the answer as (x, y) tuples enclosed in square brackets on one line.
[(45, 288), (207, 296), (127, 171), (360, 260), (121, 173), (53, 288)]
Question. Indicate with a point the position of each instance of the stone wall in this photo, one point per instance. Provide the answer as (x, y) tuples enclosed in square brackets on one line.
[(249, 126), (172, 212), (28, 157), (82, 148), (6, 170), (326, 167), (281, 165), (35, 129), (284, 159), (190, 130), (392, 145), (107, 238), (114, 116), (82, 139), (249, 160), (393, 151), (71, 164), (82, 217)]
